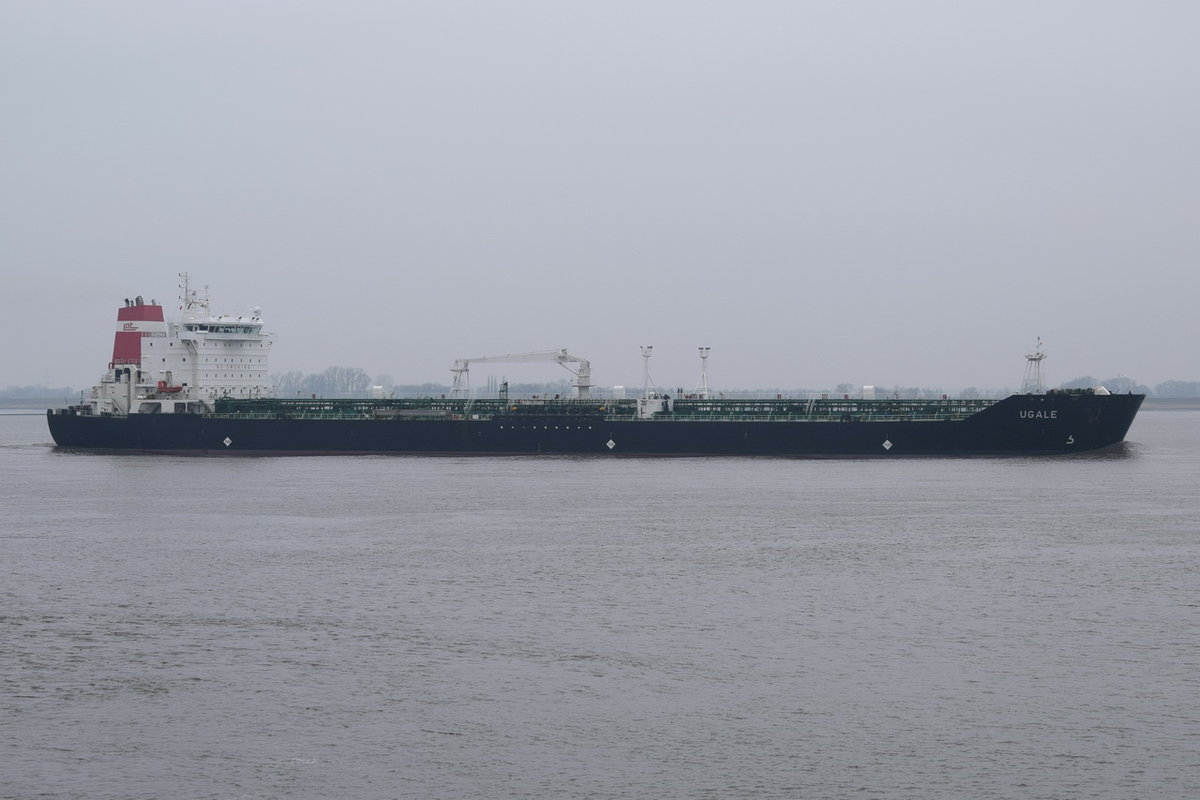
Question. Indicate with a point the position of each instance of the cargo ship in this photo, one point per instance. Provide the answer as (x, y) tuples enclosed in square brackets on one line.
[(199, 384)]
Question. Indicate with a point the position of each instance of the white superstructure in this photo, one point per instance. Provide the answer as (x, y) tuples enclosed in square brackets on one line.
[(182, 365)]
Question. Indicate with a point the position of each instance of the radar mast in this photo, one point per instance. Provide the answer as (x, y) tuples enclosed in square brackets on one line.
[(191, 299), (1032, 384)]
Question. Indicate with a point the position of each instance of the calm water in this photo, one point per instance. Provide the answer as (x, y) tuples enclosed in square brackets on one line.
[(394, 627)]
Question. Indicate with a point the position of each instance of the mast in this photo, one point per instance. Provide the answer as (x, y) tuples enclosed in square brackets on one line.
[(702, 386), (191, 299), (647, 351), (1032, 384)]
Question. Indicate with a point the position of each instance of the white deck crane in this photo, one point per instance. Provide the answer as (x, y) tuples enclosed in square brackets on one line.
[(582, 372)]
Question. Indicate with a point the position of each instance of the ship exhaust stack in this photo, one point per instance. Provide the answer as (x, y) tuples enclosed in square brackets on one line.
[(135, 321)]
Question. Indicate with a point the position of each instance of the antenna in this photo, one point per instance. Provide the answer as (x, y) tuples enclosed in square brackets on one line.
[(702, 386), (1032, 384), (190, 298)]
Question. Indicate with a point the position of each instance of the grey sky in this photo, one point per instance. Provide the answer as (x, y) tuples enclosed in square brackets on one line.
[(870, 192)]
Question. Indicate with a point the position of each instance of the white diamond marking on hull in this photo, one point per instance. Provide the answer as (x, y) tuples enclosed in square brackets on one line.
[(611, 444), (228, 441), (887, 445)]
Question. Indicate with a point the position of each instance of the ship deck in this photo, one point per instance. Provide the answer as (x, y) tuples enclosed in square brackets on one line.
[(686, 410)]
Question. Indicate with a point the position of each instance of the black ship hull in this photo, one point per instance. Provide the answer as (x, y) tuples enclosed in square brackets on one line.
[(1055, 423)]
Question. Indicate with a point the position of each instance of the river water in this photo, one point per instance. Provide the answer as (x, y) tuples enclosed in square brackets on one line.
[(438, 627)]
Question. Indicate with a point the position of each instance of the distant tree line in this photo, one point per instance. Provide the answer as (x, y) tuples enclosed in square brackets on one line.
[(355, 382), (1178, 389), (333, 382)]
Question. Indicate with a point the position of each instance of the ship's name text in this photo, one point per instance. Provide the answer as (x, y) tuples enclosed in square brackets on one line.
[(1025, 414)]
